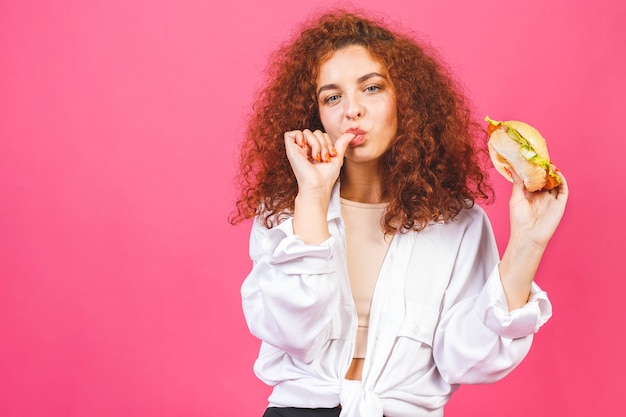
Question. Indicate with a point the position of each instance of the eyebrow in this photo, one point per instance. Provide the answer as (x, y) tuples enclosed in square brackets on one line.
[(359, 80)]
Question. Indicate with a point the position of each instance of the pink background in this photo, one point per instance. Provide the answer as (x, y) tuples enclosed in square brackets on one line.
[(119, 124)]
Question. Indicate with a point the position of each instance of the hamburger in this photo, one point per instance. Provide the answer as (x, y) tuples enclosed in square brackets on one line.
[(517, 146)]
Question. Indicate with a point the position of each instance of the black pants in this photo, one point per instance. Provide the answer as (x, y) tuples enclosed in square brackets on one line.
[(302, 412)]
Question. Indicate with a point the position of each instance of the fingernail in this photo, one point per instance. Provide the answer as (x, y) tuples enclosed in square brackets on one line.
[(333, 151), (318, 157)]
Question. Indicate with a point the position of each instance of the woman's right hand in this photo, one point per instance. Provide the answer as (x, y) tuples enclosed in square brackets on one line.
[(315, 160), (316, 163)]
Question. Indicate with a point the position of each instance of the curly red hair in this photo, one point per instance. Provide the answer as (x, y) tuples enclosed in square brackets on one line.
[(431, 172)]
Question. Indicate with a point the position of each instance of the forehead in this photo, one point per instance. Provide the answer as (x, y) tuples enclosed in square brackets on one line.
[(346, 63)]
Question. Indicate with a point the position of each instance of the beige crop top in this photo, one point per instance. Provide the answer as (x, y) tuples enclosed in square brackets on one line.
[(366, 247)]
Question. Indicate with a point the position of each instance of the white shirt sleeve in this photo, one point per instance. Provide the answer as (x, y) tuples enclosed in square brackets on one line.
[(478, 340), (492, 307), (291, 294)]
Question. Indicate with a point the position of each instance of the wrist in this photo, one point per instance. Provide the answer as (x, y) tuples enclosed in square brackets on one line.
[(518, 267), (309, 219), (521, 243)]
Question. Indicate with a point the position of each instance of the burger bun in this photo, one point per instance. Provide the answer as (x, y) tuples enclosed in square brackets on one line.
[(506, 155)]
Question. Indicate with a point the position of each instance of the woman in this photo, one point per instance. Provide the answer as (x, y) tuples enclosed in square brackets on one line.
[(376, 285)]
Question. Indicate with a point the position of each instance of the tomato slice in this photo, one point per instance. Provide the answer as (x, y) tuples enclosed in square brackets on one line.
[(492, 128)]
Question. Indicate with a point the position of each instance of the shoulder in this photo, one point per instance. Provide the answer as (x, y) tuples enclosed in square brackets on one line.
[(470, 224), (472, 214), (468, 217)]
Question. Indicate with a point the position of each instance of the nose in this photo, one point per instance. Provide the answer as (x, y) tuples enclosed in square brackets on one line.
[(354, 108)]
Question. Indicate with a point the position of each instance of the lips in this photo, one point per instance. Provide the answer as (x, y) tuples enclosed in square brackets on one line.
[(359, 138)]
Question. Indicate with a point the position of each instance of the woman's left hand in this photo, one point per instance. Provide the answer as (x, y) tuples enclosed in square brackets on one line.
[(535, 216)]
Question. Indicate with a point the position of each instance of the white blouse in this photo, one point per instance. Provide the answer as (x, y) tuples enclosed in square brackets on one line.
[(439, 318)]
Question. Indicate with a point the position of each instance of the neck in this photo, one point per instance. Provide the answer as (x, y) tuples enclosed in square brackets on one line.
[(361, 183)]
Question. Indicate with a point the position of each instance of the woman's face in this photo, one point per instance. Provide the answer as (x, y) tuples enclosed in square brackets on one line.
[(354, 94)]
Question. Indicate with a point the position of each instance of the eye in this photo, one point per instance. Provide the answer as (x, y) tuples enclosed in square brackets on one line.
[(331, 99), (372, 88)]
